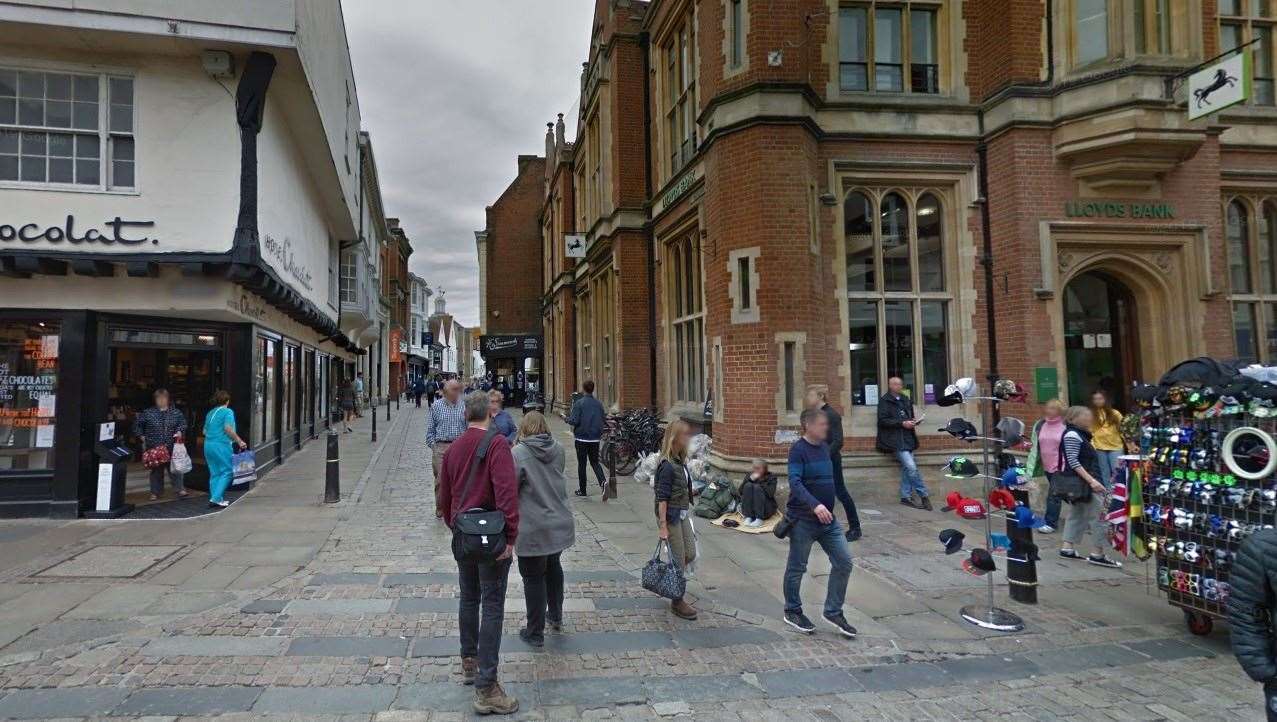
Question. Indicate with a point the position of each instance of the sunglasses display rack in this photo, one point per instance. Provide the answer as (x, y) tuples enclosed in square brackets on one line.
[(1207, 485), (989, 616)]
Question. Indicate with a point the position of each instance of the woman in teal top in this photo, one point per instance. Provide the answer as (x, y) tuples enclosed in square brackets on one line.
[(219, 435)]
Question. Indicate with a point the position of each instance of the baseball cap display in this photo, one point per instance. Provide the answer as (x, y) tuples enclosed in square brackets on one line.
[(960, 467), (1010, 430), (960, 428), (965, 386), (950, 397), (1026, 519), (952, 540), (999, 542), (1023, 552), (1013, 477), (1001, 499), (979, 563), (951, 501), (1008, 390), (971, 509)]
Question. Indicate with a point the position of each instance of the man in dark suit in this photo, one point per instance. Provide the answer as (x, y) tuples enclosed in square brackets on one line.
[(818, 398), (896, 436)]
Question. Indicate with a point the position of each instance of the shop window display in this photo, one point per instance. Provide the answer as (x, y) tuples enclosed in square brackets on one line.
[(28, 395)]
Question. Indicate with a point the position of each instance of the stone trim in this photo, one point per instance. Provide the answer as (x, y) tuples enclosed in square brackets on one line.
[(784, 416), (740, 313)]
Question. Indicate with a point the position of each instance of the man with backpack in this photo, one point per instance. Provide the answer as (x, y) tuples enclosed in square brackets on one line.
[(479, 494)]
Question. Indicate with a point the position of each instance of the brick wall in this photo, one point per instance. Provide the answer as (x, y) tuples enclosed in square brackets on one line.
[(515, 252)]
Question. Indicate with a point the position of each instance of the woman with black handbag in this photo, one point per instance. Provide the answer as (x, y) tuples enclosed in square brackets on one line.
[(673, 499), (1078, 483)]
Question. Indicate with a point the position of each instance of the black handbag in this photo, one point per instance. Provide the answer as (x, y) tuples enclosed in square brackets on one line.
[(783, 527), (664, 578), (478, 535), (1067, 486)]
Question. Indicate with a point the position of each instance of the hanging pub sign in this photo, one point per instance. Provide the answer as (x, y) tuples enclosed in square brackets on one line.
[(575, 245), (509, 346), (1220, 85)]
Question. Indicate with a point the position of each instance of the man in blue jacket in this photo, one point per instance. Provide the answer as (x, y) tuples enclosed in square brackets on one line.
[(586, 419), (811, 501)]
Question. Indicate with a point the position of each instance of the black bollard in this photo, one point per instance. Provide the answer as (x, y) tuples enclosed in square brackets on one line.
[(610, 491), (397, 400), (332, 471), (387, 407), (374, 424)]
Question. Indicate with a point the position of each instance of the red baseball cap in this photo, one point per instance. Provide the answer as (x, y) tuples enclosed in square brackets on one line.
[(952, 501), (1001, 499), (971, 509)]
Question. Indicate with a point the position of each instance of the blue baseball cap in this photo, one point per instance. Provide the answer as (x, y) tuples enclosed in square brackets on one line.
[(1014, 476), (1026, 519)]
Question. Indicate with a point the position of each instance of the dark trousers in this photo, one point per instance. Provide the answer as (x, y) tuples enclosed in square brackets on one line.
[(542, 589), (589, 450), (1270, 701), (417, 396), (482, 585), (754, 502), (157, 480), (844, 496)]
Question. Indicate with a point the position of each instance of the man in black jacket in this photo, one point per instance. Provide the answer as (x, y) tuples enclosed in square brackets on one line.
[(896, 436), (818, 398), (587, 419), (1252, 612)]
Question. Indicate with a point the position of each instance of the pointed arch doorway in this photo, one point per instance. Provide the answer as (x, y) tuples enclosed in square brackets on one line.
[(1101, 337)]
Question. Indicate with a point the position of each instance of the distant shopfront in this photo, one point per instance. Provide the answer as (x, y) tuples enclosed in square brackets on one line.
[(515, 360)]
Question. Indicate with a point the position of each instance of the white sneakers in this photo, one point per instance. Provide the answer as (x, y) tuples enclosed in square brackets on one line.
[(754, 522)]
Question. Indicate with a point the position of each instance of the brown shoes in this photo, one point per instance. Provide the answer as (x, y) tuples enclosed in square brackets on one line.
[(494, 700), (469, 669), (682, 609)]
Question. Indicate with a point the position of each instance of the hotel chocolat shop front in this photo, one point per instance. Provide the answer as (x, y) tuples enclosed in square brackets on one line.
[(63, 372)]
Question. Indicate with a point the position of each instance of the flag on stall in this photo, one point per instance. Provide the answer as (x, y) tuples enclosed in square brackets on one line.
[(1118, 514), (1135, 513)]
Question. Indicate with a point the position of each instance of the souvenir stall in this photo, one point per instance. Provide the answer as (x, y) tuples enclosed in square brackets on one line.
[(1207, 479)]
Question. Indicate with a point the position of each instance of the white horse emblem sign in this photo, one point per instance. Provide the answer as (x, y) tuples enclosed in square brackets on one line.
[(1218, 86)]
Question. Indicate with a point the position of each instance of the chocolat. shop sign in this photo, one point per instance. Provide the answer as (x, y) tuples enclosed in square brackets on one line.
[(283, 252), (118, 231), (1119, 209)]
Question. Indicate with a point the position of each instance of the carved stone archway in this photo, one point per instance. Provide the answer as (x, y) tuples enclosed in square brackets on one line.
[(1166, 269)]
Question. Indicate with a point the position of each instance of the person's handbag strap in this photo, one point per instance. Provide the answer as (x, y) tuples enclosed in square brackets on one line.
[(479, 453)]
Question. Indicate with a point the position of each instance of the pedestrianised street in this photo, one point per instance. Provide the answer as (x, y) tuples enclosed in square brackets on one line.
[(285, 608)]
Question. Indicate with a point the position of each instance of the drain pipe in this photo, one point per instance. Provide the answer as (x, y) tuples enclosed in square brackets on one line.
[(644, 47)]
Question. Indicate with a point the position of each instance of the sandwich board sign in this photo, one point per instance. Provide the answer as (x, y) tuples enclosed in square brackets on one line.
[(1218, 86), (575, 245)]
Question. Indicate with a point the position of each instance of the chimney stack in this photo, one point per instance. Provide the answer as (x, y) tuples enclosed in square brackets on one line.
[(559, 130)]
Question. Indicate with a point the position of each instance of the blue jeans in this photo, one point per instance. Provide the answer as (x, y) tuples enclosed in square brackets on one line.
[(910, 478), (1108, 464), (831, 539)]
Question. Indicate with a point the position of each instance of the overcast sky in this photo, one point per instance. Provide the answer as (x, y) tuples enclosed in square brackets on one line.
[(451, 92)]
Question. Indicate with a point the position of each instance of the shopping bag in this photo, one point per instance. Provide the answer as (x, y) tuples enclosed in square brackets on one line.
[(180, 461), (244, 466), (155, 457), (664, 578)]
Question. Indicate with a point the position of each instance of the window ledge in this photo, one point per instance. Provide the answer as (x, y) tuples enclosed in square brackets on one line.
[(21, 186), (893, 101)]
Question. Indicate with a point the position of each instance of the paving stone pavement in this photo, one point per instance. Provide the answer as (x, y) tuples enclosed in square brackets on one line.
[(284, 608)]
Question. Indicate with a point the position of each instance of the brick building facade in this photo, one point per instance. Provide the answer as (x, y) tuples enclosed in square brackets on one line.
[(510, 261), (822, 191)]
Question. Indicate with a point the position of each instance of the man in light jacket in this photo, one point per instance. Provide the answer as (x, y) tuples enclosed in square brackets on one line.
[(586, 419)]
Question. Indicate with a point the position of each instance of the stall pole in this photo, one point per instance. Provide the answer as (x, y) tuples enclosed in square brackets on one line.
[(374, 424), (989, 616)]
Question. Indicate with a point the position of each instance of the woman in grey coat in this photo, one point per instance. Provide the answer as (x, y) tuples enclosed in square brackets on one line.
[(546, 526)]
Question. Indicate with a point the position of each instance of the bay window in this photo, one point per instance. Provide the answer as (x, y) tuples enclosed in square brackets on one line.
[(1243, 21), (889, 47), (1250, 235), (680, 84), (898, 298), (686, 314)]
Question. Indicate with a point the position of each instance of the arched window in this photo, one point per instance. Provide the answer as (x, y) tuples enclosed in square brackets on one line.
[(899, 327), (686, 320)]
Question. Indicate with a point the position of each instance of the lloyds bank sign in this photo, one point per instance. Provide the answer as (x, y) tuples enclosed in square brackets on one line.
[(1119, 209)]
